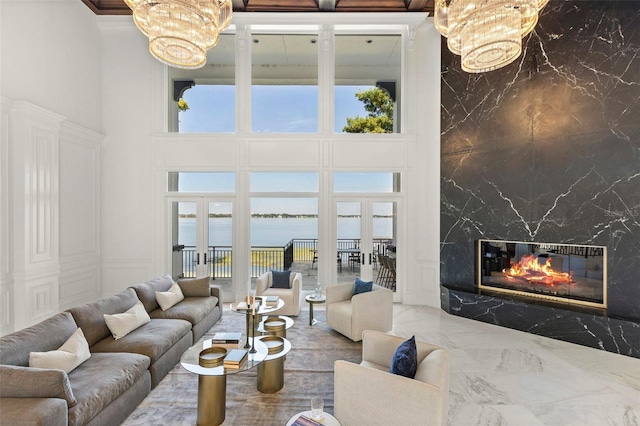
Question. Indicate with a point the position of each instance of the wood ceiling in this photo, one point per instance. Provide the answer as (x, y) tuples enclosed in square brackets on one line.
[(118, 7)]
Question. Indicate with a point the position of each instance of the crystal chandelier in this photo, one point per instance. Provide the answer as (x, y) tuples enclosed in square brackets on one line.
[(181, 31), (487, 34)]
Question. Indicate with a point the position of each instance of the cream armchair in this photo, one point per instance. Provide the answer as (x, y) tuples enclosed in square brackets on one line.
[(350, 316), (367, 394), (290, 296)]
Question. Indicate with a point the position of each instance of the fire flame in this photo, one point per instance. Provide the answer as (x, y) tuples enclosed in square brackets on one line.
[(530, 269)]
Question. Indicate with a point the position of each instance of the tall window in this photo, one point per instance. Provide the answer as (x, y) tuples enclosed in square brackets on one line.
[(284, 83), (369, 65), (210, 104)]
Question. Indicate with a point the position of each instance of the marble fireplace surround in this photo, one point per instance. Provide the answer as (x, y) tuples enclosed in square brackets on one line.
[(548, 149)]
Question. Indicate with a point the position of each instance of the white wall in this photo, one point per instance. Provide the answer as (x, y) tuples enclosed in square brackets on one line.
[(129, 105), (50, 112), (51, 57)]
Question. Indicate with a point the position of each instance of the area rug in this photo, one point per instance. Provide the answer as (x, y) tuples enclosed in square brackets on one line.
[(308, 373)]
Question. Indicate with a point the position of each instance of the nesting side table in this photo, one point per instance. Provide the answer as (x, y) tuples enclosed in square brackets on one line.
[(313, 299)]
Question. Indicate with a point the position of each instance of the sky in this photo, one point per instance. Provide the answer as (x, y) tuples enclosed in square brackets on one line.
[(212, 108)]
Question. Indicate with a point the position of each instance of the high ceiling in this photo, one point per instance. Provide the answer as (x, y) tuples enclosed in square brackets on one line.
[(118, 7)]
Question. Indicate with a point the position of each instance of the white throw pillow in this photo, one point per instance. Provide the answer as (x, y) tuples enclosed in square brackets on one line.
[(71, 354), (122, 324), (167, 299)]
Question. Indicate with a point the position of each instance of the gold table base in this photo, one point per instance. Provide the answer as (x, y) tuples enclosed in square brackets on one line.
[(271, 375), (212, 397)]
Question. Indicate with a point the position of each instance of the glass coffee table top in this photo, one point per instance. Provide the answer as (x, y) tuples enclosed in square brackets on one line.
[(190, 360)]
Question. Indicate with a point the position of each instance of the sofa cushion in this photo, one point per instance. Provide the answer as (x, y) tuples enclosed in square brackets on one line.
[(405, 359), (152, 339), (280, 279), (71, 354), (169, 298), (47, 335), (192, 309), (90, 316), (122, 324), (195, 287), (362, 286), (146, 291), (27, 382), (34, 411), (102, 379)]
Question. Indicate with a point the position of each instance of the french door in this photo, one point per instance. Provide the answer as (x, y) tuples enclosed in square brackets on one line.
[(366, 237), (202, 239)]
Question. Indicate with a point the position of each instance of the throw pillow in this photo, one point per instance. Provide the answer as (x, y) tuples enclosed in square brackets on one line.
[(167, 299), (362, 286), (122, 324), (405, 359), (71, 354), (195, 287), (280, 279)]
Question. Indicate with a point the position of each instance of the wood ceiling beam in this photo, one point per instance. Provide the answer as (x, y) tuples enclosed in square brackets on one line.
[(418, 5), (327, 5), (119, 7)]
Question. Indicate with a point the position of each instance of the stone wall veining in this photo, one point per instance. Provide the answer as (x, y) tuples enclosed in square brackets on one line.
[(547, 149)]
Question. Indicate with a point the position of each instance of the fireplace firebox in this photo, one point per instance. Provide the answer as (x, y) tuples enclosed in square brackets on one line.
[(561, 273)]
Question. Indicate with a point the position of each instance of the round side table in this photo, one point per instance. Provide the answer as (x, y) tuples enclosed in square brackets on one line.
[(312, 299)]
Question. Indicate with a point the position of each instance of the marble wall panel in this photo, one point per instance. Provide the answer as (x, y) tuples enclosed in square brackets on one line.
[(548, 148)]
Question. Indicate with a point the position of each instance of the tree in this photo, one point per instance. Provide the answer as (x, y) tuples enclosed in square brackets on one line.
[(183, 105), (379, 119)]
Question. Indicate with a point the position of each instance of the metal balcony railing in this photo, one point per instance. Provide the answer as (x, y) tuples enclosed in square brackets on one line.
[(263, 259)]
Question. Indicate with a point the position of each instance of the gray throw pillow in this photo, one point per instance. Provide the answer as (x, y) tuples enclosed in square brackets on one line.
[(280, 279), (195, 287)]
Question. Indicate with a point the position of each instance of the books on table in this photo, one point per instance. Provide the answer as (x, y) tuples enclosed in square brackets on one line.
[(246, 306), (227, 340), (235, 358), (271, 301), (303, 420)]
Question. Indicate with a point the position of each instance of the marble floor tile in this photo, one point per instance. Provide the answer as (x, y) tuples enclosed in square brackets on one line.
[(507, 377)]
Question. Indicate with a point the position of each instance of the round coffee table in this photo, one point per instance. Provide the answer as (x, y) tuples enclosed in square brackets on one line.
[(329, 420), (312, 299), (212, 381)]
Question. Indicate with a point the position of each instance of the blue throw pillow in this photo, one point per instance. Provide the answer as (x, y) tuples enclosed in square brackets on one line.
[(362, 286), (405, 359), (280, 279)]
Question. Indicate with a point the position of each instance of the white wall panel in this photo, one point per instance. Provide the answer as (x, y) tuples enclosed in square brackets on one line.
[(355, 155), (80, 213), (79, 284), (119, 276), (292, 155), (198, 153)]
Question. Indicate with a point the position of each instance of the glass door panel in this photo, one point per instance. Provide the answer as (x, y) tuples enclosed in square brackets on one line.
[(202, 230), (384, 231), (349, 227), (219, 244), (366, 232)]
